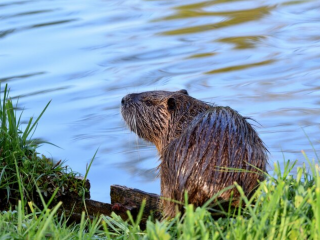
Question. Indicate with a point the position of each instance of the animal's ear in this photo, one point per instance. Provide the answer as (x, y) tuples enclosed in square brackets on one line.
[(171, 104), (183, 91)]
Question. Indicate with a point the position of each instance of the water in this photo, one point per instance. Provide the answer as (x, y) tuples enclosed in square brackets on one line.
[(262, 58)]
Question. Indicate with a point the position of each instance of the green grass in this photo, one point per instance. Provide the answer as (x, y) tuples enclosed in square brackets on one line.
[(285, 206)]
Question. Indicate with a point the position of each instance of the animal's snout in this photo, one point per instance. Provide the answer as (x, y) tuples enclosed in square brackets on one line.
[(124, 100), (130, 98)]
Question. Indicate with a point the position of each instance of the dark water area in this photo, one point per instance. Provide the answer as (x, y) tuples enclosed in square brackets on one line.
[(261, 58)]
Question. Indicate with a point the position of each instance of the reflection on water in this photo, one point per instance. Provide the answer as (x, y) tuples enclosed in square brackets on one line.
[(225, 19), (259, 57)]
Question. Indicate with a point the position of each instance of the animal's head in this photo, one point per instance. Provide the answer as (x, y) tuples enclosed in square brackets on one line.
[(160, 116)]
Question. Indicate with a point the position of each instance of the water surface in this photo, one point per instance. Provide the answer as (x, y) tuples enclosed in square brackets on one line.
[(262, 58)]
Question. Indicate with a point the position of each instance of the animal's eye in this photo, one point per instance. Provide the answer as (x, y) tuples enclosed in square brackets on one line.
[(148, 103)]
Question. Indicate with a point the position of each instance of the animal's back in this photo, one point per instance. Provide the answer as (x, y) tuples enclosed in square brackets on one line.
[(218, 148)]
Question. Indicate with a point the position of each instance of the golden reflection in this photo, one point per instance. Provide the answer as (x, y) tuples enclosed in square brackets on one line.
[(205, 4), (240, 67), (232, 18), (242, 42), (200, 55)]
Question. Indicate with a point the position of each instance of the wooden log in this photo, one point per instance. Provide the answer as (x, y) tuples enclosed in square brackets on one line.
[(123, 199), (74, 208), (132, 198)]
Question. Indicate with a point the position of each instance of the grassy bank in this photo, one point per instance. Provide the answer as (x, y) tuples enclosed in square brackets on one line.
[(284, 206), (24, 173)]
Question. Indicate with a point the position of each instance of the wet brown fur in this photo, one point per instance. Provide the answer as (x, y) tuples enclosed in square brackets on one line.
[(196, 142)]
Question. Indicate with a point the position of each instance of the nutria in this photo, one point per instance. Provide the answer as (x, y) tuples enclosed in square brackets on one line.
[(200, 145)]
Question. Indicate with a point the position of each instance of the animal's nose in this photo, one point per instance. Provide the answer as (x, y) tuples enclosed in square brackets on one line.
[(123, 100), (130, 98)]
